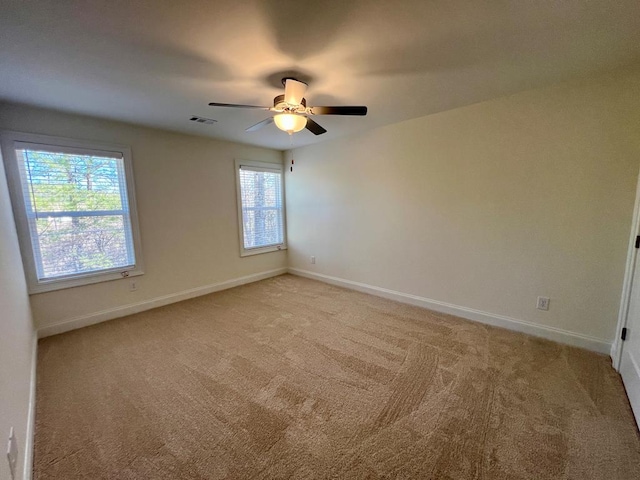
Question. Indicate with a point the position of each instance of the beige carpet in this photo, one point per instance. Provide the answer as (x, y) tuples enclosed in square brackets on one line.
[(292, 378)]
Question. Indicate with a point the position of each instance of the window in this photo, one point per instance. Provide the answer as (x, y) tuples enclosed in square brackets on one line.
[(74, 207), (260, 207)]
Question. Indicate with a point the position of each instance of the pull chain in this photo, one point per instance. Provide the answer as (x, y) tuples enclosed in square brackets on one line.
[(291, 149)]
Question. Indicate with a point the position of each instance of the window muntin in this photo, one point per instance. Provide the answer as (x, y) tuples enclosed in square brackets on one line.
[(261, 207), (75, 210)]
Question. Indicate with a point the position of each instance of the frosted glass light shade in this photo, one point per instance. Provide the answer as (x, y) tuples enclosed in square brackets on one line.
[(290, 122)]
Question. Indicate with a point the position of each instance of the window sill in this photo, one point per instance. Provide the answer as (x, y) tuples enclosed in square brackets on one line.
[(81, 280), (256, 251)]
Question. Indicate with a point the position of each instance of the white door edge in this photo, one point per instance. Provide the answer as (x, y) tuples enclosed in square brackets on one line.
[(618, 345)]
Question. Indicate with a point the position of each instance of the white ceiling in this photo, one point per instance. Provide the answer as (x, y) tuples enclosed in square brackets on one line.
[(157, 62)]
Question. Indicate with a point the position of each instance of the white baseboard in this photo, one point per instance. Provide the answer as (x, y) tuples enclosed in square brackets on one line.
[(550, 333), (614, 353), (110, 314), (31, 418)]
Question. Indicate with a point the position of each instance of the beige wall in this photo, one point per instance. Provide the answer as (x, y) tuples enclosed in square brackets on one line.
[(486, 206), (185, 189), (16, 336)]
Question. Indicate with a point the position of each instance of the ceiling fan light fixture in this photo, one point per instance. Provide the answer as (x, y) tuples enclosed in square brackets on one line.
[(290, 122)]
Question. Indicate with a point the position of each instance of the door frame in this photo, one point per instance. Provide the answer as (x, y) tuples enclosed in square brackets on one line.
[(627, 284)]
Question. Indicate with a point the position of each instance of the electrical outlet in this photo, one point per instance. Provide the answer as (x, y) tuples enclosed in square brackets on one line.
[(313, 259), (133, 285), (12, 454), (543, 303)]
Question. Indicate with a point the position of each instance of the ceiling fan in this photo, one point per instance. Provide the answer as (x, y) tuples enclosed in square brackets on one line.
[(292, 113)]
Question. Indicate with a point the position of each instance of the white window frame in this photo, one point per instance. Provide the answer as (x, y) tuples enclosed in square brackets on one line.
[(272, 167), (8, 141)]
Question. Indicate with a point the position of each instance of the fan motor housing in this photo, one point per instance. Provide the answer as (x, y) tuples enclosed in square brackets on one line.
[(279, 104)]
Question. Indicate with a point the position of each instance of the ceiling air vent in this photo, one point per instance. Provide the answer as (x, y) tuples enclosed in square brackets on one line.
[(206, 121)]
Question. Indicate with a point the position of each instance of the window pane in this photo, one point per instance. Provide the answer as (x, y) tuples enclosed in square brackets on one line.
[(62, 182), (261, 194), (70, 245), (78, 212)]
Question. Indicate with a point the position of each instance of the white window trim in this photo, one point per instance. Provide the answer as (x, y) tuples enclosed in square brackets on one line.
[(271, 167), (7, 141)]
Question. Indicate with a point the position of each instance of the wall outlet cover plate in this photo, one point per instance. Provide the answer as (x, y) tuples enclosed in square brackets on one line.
[(543, 303)]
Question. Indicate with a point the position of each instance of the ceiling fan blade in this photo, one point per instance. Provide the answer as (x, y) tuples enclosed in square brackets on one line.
[(294, 91), (337, 110), (234, 105), (259, 125), (314, 128)]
